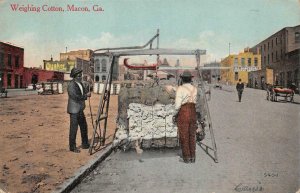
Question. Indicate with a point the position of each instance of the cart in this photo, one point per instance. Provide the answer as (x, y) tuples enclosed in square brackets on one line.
[(274, 92)]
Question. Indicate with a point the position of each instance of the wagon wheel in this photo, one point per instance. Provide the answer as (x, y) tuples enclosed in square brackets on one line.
[(286, 98)]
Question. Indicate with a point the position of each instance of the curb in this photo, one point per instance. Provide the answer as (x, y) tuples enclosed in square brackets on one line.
[(84, 171)]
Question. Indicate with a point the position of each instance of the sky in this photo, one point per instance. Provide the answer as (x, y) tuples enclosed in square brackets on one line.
[(183, 24)]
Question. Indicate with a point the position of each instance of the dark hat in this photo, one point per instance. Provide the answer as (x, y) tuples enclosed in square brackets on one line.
[(74, 72), (186, 73)]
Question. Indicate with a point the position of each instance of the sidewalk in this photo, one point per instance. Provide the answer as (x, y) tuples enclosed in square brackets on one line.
[(20, 92)]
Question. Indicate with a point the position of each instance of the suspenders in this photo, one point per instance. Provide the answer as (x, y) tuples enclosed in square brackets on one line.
[(192, 92)]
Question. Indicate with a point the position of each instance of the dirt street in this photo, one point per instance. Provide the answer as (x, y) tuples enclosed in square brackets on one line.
[(34, 152)]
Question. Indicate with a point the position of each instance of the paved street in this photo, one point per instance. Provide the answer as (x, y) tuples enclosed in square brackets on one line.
[(258, 151)]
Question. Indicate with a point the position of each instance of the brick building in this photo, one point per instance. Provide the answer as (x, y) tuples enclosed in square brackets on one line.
[(280, 53), (13, 74), (37, 75), (11, 65)]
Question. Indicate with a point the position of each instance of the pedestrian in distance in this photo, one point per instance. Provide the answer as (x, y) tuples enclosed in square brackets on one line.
[(240, 89), (186, 117), (76, 104)]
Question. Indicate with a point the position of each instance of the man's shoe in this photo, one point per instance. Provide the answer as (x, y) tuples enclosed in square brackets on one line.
[(75, 150), (193, 160), (179, 153), (184, 160), (86, 146)]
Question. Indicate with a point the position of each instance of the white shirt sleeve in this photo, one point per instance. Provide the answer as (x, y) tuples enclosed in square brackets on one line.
[(178, 99)]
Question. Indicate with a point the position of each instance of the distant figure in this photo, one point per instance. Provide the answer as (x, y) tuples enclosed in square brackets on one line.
[(255, 84), (76, 104), (185, 105), (240, 89), (262, 84)]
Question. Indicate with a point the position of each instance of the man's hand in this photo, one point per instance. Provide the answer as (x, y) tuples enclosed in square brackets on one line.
[(174, 118), (203, 125), (88, 94)]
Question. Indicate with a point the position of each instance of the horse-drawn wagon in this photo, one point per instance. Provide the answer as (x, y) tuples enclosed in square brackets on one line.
[(273, 92)]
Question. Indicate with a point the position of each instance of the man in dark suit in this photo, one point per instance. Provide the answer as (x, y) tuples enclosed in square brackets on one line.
[(76, 104), (240, 89)]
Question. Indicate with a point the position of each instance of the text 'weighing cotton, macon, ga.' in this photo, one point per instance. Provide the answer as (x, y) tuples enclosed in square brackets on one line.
[(52, 8)]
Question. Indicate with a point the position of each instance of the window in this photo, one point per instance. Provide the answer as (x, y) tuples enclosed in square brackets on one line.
[(97, 65), (103, 63), (272, 43), (261, 49), (265, 61), (103, 77), (276, 55), (249, 61), (9, 60), (272, 57), (97, 78), (236, 62), (1, 60), (17, 61), (255, 61), (276, 42), (297, 37), (268, 59), (264, 47), (243, 61)]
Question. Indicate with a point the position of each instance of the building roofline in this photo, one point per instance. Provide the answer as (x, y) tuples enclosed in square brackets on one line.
[(11, 44), (282, 29)]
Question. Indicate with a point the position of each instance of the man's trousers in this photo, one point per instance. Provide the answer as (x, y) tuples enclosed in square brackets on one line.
[(75, 120), (240, 92), (187, 126)]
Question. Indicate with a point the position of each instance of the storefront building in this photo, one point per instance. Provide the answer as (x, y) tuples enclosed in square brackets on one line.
[(11, 65), (239, 65), (280, 52)]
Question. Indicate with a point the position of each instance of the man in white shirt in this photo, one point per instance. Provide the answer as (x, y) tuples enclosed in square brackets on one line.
[(76, 105), (185, 102)]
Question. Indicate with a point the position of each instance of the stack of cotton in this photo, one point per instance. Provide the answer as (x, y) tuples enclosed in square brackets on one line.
[(152, 125)]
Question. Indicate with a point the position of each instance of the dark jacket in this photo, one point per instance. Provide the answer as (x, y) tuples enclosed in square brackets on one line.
[(76, 101), (240, 86)]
